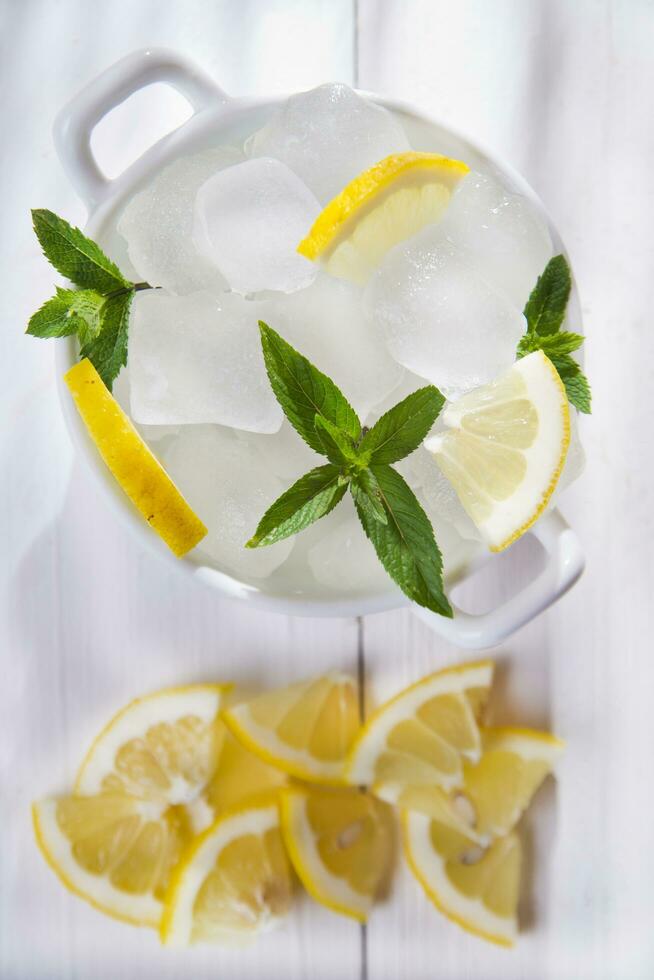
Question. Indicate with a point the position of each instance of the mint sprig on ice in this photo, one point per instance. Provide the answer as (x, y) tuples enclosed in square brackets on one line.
[(98, 310), (545, 313), (390, 514)]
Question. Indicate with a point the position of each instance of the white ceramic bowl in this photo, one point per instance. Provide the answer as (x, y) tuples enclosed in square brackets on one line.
[(214, 112)]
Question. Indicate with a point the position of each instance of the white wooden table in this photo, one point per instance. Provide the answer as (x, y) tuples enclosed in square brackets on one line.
[(561, 89)]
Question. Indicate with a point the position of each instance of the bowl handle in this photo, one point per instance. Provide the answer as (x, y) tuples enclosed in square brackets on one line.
[(564, 564), (76, 121)]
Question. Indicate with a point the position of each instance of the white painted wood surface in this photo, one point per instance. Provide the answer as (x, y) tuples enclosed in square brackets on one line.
[(88, 620)]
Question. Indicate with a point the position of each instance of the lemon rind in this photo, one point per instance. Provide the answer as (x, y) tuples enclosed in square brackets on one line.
[(293, 819)]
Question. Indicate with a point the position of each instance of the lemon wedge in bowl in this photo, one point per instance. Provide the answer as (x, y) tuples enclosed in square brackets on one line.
[(233, 883), (504, 446), (340, 842), (137, 803), (305, 729), (130, 461), (384, 205)]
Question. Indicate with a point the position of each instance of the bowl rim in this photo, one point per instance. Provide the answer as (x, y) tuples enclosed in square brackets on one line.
[(151, 161)]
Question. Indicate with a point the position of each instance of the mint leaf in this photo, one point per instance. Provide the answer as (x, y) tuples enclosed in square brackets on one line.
[(87, 305), (108, 350), (304, 392), (337, 445), (575, 381), (74, 255), (367, 495), (54, 319), (403, 428), (545, 309), (405, 545), (313, 496), (551, 344)]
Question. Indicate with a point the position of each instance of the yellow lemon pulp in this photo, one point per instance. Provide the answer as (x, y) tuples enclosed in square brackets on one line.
[(384, 205), (305, 729), (340, 843), (131, 462)]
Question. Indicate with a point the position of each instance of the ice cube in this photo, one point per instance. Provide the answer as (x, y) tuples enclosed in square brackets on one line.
[(284, 453), (328, 136), (439, 318), (158, 224), (342, 557), (326, 323), (248, 222), (229, 487), (198, 358), (438, 495), (504, 235)]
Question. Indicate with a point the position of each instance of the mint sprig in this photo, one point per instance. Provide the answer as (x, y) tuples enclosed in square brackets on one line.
[(390, 514), (97, 312), (545, 313)]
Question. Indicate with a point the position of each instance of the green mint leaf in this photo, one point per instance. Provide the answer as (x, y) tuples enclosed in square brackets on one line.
[(405, 545), (54, 319), (545, 309), (403, 428), (367, 495), (74, 255), (87, 305), (575, 381), (313, 496), (108, 350), (304, 392), (551, 344), (337, 445)]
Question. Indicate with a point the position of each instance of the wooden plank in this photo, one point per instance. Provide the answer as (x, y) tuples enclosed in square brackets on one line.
[(91, 619), (554, 88)]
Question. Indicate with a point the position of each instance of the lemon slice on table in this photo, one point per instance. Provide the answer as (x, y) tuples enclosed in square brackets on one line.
[(239, 774), (234, 882), (420, 738), (137, 802), (130, 461), (478, 888), (305, 729), (504, 448), (384, 205), (496, 790), (341, 844)]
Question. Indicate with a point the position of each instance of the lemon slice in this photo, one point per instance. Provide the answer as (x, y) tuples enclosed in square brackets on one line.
[(340, 842), (497, 790), (384, 205), (136, 469), (239, 776), (476, 887), (505, 448), (420, 738), (137, 803), (305, 729), (234, 882)]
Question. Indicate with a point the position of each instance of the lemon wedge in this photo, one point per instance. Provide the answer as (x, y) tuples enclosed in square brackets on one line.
[(233, 883), (305, 729), (340, 842), (136, 469), (420, 738), (137, 803), (504, 448), (384, 205), (478, 888), (239, 776), (496, 790)]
